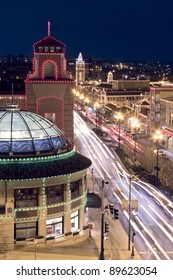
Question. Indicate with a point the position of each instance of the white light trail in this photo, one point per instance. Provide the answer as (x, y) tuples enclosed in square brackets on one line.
[(143, 237), (154, 240), (163, 220), (157, 223)]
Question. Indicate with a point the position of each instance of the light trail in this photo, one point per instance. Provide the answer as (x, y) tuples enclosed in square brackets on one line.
[(160, 226), (143, 237), (154, 240), (160, 217)]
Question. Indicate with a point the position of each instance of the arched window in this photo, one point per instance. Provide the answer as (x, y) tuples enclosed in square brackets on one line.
[(49, 70)]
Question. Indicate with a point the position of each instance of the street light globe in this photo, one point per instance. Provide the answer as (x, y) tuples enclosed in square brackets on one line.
[(87, 100), (158, 135), (119, 116), (96, 105), (135, 123)]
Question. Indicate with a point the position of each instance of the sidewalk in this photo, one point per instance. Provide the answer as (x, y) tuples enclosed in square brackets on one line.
[(115, 248)]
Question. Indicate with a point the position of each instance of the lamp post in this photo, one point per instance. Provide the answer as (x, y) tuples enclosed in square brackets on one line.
[(96, 108), (102, 256), (135, 125), (119, 117), (77, 96), (129, 210), (133, 244), (86, 107), (158, 136)]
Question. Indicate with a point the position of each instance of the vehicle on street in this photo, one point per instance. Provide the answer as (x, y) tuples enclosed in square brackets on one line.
[(161, 153)]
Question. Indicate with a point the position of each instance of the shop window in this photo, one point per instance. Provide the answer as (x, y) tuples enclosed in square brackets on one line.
[(25, 230), (26, 197), (75, 188), (54, 227), (2, 209), (55, 194), (74, 221)]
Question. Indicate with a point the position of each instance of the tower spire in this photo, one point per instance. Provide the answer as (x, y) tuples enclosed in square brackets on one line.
[(48, 27)]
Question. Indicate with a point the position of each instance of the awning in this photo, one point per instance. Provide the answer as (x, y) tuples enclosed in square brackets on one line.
[(93, 200)]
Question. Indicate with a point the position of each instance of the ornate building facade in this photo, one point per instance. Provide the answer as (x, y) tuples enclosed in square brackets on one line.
[(49, 87), (43, 184), (80, 70)]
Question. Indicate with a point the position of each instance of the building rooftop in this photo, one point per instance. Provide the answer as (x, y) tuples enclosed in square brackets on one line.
[(43, 167)]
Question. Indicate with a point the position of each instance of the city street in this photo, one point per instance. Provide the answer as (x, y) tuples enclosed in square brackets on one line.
[(152, 221)]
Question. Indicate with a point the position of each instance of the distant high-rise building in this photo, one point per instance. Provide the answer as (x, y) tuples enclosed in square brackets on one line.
[(80, 70), (49, 87)]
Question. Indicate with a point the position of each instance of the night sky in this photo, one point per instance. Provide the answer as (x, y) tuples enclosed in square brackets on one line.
[(110, 29)]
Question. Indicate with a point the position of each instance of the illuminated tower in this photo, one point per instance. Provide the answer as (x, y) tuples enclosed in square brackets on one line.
[(110, 77), (80, 70), (49, 87)]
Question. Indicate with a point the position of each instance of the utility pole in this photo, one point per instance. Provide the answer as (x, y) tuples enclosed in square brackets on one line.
[(129, 211), (104, 225), (133, 244), (102, 257)]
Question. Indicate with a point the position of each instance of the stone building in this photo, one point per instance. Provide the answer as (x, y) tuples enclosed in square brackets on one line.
[(43, 184)]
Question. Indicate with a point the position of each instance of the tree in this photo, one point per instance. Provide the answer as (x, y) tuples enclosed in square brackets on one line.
[(166, 175)]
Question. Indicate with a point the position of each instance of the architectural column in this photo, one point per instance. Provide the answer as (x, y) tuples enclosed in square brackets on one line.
[(42, 212), (67, 208), (7, 218)]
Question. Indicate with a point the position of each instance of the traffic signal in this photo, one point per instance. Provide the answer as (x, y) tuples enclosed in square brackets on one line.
[(115, 214), (106, 227), (111, 208)]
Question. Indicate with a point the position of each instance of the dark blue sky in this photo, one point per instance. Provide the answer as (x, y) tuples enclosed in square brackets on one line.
[(114, 29)]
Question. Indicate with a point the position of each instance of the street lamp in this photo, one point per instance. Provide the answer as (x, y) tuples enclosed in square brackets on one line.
[(77, 96), (96, 105), (86, 106), (133, 244), (104, 225), (129, 212), (119, 117), (135, 124), (102, 256), (158, 136)]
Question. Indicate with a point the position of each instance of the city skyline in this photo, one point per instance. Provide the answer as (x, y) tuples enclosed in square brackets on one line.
[(120, 30)]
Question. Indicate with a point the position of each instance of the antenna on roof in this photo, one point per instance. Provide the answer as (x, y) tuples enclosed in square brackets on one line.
[(48, 27)]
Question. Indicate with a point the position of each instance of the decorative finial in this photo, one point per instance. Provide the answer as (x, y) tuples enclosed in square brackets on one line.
[(48, 28)]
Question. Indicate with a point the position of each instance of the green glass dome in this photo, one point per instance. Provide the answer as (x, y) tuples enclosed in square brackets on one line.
[(24, 132)]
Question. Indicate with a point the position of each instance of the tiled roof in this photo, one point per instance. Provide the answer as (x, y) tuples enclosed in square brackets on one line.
[(18, 170), (49, 41)]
